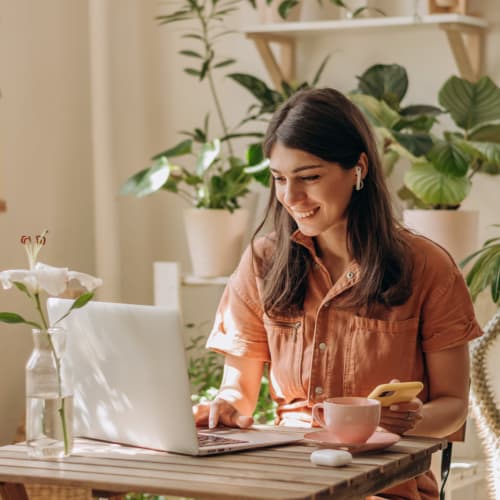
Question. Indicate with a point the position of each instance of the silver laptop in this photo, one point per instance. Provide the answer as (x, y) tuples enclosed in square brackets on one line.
[(131, 383)]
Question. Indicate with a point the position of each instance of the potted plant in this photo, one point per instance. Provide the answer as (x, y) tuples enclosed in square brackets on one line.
[(205, 171), (214, 180), (443, 165), (273, 11), (485, 383)]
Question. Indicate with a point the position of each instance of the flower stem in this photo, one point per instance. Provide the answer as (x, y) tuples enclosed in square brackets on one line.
[(61, 410)]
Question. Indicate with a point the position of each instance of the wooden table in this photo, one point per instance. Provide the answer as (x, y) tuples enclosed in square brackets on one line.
[(283, 472)]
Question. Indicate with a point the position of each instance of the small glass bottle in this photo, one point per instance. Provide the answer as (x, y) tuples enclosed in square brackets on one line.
[(49, 396)]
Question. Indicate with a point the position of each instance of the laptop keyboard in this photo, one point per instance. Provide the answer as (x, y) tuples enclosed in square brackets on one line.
[(211, 440)]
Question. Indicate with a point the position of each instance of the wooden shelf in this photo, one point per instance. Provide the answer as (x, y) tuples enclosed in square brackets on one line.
[(465, 35)]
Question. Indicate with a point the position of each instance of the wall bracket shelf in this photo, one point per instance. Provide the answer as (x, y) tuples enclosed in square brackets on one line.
[(465, 36)]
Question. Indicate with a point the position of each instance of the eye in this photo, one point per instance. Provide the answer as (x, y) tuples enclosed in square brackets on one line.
[(278, 179), (310, 178)]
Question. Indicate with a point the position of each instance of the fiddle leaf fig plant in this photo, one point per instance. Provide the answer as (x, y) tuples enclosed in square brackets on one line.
[(442, 178), (402, 131)]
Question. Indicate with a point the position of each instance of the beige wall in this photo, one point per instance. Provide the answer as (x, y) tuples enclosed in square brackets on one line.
[(48, 144)]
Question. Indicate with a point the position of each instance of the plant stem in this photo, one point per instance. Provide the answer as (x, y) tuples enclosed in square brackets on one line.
[(215, 97), (61, 410)]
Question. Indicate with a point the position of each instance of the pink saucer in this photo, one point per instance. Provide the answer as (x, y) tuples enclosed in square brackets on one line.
[(377, 441)]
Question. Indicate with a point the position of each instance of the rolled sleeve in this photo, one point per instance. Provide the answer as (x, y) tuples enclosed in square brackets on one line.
[(239, 329), (448, 317)]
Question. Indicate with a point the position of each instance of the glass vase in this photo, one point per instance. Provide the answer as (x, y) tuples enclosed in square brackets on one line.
[(49, 396)]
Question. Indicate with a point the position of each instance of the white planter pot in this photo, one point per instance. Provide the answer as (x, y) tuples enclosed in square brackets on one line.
[(215, 239), (455, 230), (269, 13)]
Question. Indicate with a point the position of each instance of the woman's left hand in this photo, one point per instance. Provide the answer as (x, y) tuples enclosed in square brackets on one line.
[(402, 417)]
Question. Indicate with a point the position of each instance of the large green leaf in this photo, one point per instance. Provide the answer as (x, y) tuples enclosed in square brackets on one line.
[(471, 104), (418, 143), (267, 97), (486, 133), (387, 82), (147, 181), (489, 152), (449, 159), (436, 188), (378, 112)]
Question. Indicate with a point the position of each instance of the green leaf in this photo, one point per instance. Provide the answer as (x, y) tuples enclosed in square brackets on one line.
[(486, 133), (386, 82), (224, 63), (489, 151), (147, 181), (13, 318), (23, 288), (268, 98), (436, 188), (319, 72), (417, 143), (192, 72), (209, 152), (190, 53), (471, 104), (449, 159), (182, 148), (378, 112), (285, 7), (77, 304)]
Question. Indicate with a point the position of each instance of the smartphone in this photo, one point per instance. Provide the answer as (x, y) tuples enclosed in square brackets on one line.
[(397, 392)]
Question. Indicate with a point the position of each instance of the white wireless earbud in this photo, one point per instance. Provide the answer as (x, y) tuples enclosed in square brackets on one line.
[(359, 180)]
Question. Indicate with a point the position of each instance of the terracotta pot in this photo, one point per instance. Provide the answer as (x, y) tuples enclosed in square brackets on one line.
[(455, 230), (215, 240), (269, 13)]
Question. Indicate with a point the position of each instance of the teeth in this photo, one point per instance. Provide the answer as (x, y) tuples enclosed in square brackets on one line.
[(303, 215)]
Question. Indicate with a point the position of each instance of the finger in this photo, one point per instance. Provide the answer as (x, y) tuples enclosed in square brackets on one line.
[(414, 405), (244, 421), (200, 414), (216, 409)]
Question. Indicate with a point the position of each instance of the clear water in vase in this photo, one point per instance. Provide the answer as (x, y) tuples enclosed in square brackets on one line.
[(49, 429)]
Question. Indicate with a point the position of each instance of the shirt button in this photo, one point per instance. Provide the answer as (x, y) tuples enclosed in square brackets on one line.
[(318, 390), (326, 305), (350, 275), (322, 346), (316, 265)]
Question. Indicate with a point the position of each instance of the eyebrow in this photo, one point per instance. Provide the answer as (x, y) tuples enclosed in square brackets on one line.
[(299, 169)]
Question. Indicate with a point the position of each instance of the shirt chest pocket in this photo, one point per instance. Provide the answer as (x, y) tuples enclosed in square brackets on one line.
[(286, 343), (380, 351)]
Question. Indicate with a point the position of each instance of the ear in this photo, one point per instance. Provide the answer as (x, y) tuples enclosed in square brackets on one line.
[(363, 163)]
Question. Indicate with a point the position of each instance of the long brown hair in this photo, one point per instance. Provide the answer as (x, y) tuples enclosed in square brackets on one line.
[(325, 123)]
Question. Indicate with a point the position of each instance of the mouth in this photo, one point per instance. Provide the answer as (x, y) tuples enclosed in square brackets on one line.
[(303, 215)]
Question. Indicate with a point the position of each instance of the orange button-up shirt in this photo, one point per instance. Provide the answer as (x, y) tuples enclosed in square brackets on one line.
[(327, 351)]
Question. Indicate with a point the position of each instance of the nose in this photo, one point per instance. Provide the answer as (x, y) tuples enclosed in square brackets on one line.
[(292, 193)]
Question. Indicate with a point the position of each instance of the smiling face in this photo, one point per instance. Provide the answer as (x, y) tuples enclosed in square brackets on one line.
[(315, 192)]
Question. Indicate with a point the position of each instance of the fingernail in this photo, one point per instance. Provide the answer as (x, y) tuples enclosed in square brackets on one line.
[(211, 421), (394, 407)]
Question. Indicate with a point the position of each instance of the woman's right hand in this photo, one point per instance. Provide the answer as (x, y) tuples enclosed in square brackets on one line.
[(219, 411)]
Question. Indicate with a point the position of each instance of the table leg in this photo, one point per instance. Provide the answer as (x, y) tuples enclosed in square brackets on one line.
[(13, 491)]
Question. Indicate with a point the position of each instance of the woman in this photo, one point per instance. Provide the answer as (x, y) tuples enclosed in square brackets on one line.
[(339, 298)]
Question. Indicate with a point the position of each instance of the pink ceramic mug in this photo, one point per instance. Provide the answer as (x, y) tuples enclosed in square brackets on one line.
[(348, 419)]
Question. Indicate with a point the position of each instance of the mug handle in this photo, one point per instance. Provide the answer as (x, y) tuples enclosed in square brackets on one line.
[(317, 414)]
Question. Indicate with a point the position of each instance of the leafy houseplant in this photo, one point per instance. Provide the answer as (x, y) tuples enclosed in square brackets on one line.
[(217, 181), (442, 165), (484, 273), (284, 7), (205, 373)]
